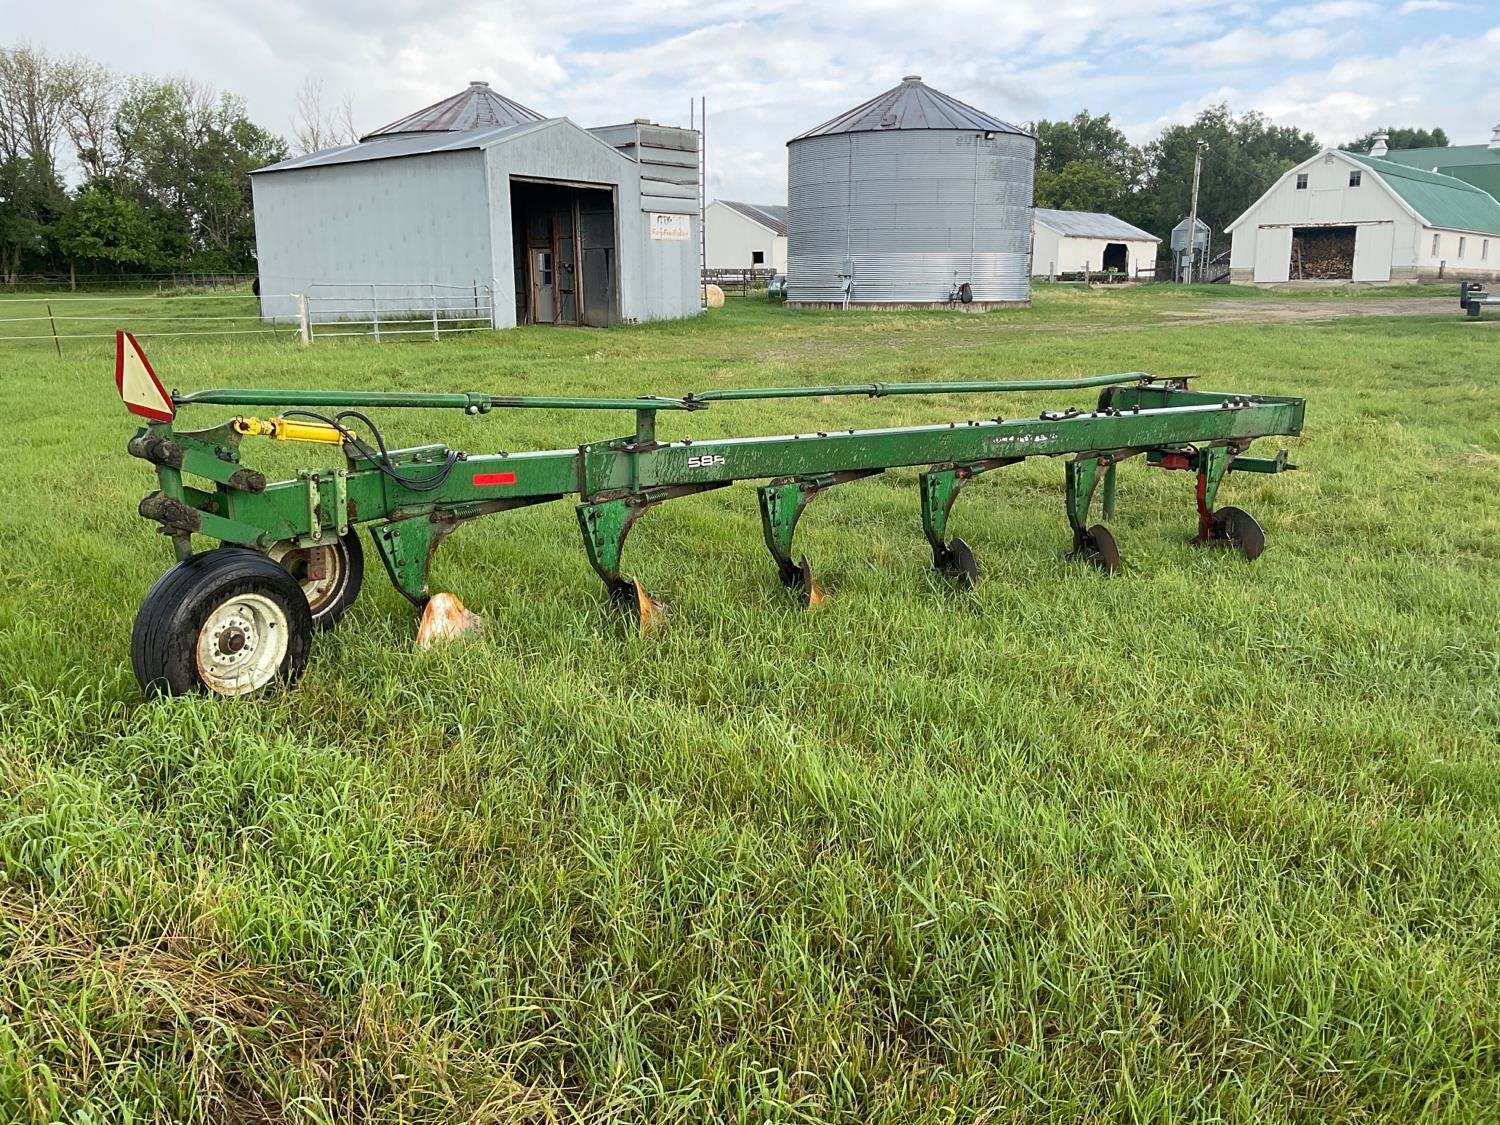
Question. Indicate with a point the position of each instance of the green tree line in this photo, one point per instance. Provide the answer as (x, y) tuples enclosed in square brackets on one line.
[(162, 167), (1087, 164)]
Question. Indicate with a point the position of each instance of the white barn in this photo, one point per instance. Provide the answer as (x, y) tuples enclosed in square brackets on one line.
[(1346, 216), (1079, 241), (745, 235), (479, 203)]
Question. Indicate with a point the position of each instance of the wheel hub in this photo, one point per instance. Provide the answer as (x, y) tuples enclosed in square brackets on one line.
[(242, 644)]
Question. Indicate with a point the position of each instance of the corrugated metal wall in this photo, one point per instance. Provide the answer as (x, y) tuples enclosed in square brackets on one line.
[(910, 209)]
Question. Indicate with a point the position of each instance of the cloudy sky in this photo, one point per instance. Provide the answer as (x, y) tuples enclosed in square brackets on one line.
[(772, 68)]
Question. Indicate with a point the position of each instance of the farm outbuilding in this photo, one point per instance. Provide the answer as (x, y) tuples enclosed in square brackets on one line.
[(542, 221), (907, 199), (745, 235), (1348, 216), (1089, 242)]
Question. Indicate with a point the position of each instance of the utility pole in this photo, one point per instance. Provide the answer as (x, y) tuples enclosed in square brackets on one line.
[(1192, 238)]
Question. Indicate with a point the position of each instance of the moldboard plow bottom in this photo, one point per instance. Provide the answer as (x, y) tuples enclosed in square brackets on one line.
[(240, 618)]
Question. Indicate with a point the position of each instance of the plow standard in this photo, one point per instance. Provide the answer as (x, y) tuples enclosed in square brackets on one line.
[(240, 618)]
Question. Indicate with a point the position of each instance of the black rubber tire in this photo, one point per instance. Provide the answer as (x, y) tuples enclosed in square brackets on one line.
[(163, 642), (333, 604)]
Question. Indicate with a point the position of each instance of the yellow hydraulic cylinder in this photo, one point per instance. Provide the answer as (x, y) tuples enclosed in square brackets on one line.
[(282, 429)]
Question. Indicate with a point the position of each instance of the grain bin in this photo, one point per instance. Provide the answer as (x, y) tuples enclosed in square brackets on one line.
[(905, 200)]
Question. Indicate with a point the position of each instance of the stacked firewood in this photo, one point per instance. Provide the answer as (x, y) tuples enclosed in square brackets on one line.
[(1325, 254)]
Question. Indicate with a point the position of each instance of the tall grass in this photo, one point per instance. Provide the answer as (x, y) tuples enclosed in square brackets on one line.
[(1203, 841)]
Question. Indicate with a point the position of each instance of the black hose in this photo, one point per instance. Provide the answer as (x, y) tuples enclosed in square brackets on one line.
[(378, 455)]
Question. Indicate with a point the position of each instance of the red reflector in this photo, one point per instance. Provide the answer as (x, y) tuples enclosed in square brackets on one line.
[(483, 479)]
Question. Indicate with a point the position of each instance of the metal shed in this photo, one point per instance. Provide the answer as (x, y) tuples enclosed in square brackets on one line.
[(1089, 241), (907, 198), (542, 220)]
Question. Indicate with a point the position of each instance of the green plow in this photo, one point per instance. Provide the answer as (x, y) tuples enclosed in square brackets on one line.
[(239, 619)]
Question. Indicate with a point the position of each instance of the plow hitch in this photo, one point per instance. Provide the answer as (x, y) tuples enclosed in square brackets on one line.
[(289, 561)]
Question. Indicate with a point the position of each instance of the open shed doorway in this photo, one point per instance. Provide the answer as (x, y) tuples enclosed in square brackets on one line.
[(564, 243), (1322, 254), (1116, 257)]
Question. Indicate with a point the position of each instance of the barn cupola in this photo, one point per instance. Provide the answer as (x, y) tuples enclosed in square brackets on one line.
[(477, 107), (1495, 138), (1380, 147)]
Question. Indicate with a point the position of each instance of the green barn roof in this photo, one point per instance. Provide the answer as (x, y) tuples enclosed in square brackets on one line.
[(1474, 164), (1442, 201)]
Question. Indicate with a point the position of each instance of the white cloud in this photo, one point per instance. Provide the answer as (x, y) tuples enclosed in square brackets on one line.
[(772, 68), (1329, 11), (1428, 6), (1244, 46)]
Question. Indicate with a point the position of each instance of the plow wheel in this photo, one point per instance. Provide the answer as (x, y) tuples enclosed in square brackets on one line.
[(955, 560), (1097, 545), (1237, 528), (330, 575), (228, 621)]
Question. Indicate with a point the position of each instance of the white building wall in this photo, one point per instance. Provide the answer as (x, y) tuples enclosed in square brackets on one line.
[(1055, 253), (733, 238), (1461, 255), (330, 232)]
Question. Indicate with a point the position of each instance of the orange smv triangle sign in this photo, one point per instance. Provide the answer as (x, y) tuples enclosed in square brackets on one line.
[(139, 388)]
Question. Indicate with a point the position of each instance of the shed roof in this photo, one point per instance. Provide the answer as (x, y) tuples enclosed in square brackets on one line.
[(772, 216), (1441, 201), (1091, 224), (408, 144), (477, 107), (912, 105)]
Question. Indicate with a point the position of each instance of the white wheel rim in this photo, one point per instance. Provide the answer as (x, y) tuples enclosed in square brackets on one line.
[(242, 644), (294, 559)]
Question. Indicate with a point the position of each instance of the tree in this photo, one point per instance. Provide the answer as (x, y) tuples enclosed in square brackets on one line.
[(1081, 185), (316, 127), (1399, 139), (91, 104), (1242, 157), (105, 228), (34, 88), (1087, 138), (185, 155)]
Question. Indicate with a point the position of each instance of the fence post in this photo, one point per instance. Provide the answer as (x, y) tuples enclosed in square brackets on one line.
[(434, 312), (52, 321), (375, 312), (494, 321), (304, 326)]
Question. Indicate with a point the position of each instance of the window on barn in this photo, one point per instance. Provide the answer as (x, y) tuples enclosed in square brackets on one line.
[(1301, 181), (1354, 178), (1461, 241), (1437, 244), (757, 257)]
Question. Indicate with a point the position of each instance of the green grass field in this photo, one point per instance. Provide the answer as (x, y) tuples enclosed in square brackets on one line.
[(1202, 841)]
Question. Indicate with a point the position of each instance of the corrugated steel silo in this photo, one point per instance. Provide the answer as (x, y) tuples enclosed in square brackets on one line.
[(904, 198)]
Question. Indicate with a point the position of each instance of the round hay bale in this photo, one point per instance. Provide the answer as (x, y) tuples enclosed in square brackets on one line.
[(713, 296)]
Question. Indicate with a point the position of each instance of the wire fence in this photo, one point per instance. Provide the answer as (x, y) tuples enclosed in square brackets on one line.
[(376, 311), (160, 282)]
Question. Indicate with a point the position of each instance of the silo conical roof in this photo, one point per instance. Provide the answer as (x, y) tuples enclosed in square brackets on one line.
[(911, 105), (477, 107)]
